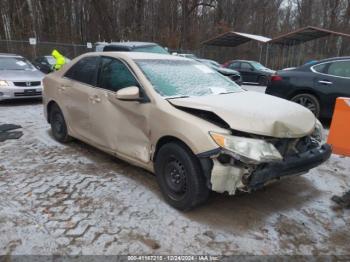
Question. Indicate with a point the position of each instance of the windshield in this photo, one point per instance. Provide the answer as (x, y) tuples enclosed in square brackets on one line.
[(151, 49), (209, 63), (216, 64), (258, 66), (51, 60), (179, 78), (14, 63), (192, 56)]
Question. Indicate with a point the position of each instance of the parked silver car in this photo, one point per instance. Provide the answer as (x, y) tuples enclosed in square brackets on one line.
[(19, 78)]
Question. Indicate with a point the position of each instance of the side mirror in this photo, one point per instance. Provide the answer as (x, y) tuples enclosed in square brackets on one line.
[(131, 93)]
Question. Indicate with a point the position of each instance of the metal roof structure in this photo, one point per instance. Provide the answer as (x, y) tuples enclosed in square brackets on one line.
[(232, 39), (303, 35), (286, 49)]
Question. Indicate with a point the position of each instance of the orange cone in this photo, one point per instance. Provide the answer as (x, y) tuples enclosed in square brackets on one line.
[(339, 133)]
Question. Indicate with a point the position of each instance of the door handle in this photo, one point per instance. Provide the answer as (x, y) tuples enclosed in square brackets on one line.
[(325, 82), (63, 87), (95, 99)]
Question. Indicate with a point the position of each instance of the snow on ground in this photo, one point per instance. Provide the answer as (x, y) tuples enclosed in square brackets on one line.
[(73, 199)]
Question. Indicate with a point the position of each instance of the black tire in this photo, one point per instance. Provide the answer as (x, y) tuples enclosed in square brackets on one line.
[(309, 101), (263, 80), (179, 177), (58, 125)]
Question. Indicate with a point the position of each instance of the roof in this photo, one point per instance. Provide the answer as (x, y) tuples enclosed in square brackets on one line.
[(128, 44), (146, 56), (242, 60), (334, 58), (303, 35), (205, 60), (8, 54), (232, 38)]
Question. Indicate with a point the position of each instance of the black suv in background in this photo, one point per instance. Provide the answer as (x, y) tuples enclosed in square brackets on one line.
[(251, 71), (131, 47), (315, 86)]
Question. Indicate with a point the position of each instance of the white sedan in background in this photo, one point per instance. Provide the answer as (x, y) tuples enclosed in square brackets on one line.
[(19, 78)]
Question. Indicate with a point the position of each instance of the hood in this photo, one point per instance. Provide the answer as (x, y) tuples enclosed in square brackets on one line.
[(226, 71), (268, 71), (255, 113), (21, 75)]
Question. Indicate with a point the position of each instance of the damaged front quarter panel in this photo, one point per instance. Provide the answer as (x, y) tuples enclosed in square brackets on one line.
[(227, 178), (222, 173), (229, 173)]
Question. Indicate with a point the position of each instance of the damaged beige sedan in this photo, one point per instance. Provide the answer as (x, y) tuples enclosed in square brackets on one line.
[(194, 128)]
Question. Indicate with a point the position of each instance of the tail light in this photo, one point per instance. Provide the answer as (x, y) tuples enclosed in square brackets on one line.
[(275, 78), (226, 64)]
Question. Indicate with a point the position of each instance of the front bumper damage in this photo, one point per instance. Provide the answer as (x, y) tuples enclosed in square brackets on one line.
[(233, 175)]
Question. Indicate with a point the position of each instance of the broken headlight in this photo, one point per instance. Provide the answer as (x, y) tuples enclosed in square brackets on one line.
[(318, 134), (247, 150)]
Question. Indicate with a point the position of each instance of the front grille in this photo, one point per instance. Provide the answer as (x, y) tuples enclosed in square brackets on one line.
[(35, 83), (288, 146), (36, 93)]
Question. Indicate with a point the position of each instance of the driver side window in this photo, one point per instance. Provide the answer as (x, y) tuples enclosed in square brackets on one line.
[(246, 66), (114, 75)]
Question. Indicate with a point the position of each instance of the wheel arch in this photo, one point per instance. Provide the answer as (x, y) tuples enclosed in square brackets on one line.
[(169, 139), (313, 93), (49, 108)]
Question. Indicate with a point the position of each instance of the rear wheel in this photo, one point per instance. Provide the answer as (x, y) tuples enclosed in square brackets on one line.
[(263, 80), (309, 101), (179, 177), (58, 125)]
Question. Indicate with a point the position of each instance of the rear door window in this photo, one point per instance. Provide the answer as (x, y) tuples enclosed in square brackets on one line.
[(115, 75), (235, 65), (339, 68), (84, 71)]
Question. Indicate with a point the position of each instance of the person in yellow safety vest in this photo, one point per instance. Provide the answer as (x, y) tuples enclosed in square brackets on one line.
[(60, 60)]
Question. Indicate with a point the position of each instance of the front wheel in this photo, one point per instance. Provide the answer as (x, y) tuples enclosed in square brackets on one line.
[(58, 125), (309, 101), (179, 176)]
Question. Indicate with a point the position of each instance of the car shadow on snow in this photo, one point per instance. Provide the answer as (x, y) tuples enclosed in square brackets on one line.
[(250, 210), (241, 212), (112, 165)]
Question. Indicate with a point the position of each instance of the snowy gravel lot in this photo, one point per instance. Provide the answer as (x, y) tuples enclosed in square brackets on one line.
[(73, 199)]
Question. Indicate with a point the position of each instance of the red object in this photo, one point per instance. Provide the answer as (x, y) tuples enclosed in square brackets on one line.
[(276, 78), (226, 64), (339, 132)]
